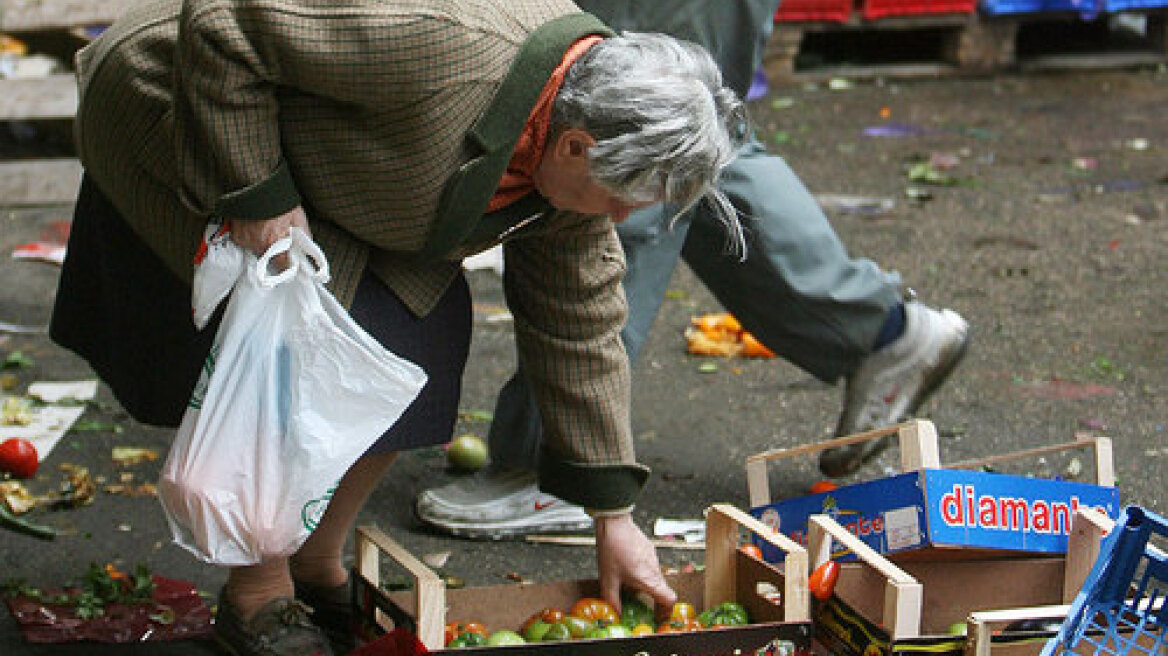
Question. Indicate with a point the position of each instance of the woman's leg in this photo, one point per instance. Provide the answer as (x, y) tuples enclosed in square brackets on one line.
[(250, 588), (320, 560)]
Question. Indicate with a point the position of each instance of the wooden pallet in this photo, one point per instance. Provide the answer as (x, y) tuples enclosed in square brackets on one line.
[(962, 44), (46, 181)]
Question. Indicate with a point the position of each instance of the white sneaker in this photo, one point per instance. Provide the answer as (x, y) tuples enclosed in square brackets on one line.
[(495, 505), (893, 382)]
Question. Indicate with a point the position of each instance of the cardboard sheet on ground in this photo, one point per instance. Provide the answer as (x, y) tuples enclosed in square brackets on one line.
[(63, 404)]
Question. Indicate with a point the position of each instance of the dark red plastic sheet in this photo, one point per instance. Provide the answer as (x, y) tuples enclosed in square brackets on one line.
[(186, 615)]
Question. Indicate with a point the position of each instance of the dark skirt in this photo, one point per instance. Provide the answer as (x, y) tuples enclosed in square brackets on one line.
[(121, 309)]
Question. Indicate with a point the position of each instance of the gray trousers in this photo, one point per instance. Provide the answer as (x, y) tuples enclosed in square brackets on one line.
[(798, 290)]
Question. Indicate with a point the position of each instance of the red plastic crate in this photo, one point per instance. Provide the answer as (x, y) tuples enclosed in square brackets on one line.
[(883, 8), (809, 10)]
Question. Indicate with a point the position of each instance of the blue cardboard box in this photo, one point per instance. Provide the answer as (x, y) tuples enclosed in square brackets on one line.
[(940, 508)]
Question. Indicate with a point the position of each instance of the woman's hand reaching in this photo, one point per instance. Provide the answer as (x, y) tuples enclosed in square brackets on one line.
[(625, 557)]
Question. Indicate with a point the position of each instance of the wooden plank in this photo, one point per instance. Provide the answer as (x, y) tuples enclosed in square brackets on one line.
[(31, 15), (1104, 465), (816, 447), (722, 522), (590, 541), (902, 609), (758, 483), (1087, 530), (918, 446), (429, 590), (982, 623), (868, 555), (39, 182), (903, 594), (51, 97)]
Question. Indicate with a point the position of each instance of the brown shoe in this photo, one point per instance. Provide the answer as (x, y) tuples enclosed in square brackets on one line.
[(281, 628), (332, 611)]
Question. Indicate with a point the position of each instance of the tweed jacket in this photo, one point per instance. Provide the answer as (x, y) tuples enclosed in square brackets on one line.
[(391, 122)]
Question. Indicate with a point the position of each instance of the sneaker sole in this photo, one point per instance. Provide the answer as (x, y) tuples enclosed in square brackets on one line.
[(505, 530), (869, 450)]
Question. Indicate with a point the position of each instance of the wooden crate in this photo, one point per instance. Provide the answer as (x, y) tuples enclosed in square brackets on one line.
[(729, 575), (919, 452), (909, 606)]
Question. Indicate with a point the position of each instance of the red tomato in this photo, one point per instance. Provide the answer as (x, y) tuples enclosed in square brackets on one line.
[(549, 615), (19, 457), (597, 610), (751, 550), (823, 486), (455, 629), (822, 580)]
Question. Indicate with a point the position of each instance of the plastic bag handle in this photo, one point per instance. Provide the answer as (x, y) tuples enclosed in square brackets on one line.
[(303, 252), (313, 259), (267, 280)]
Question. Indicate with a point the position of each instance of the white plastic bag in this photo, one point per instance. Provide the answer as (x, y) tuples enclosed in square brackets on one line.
[(218, 266), (294, 391)]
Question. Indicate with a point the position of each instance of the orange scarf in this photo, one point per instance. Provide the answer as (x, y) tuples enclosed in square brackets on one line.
[(517, 180)]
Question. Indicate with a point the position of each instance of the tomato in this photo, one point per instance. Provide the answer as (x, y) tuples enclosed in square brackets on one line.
[(610, 631), (456, 630), (467, 453), (535, 631), (679, 626), (557, 632), (683, 611), (823, 486), (822, 580), (549, 615), (505, 637), (538, 624), (642, 629), (597, 610), (467, 639), (578, 627), (727, 613), (19, 457), (635, 612), (752, 550)]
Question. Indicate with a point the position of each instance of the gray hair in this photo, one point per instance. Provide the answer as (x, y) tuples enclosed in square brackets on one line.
[(664, 123)]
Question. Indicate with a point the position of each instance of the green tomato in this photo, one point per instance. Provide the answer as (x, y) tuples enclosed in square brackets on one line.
[(578, 626), (556, 633), (618, 631), (610, 631), (467, 453), (634, 612), (596, 633), (727, 613), (468, 639), (536, 631), (505, 637)]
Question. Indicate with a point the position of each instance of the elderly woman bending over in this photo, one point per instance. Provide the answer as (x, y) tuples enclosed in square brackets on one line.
[(404, 135)]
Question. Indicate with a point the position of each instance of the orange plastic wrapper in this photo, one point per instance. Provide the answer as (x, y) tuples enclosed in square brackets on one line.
[(722, 335)]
